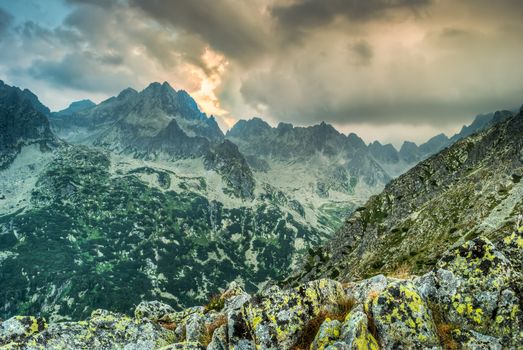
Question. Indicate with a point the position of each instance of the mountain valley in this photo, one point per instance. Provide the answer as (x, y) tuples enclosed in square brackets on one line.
[(143, 197)]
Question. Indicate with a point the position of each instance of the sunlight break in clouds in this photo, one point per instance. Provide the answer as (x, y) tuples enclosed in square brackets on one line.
[(210, 79)]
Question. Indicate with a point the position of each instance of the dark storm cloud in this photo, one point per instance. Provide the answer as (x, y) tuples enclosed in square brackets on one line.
[(310, 14), (417, 62), (5, 21), (362, 51), (228, 25), (82, 71)]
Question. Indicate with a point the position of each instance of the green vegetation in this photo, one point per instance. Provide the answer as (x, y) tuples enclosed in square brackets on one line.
[(93, 240)]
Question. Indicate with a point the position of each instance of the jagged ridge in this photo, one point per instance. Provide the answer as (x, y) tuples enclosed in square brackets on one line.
[(465, 190)]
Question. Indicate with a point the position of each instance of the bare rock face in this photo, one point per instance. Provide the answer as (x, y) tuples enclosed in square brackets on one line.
[(23, 121), (227, 160)]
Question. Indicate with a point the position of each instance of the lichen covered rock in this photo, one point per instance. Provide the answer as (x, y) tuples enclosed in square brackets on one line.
[(476, 289), (478, 274), (184, 346), (470, 300), (403, 319), (104, 330), (328, 333), (362, 290), (20, 327), (355, 333), (470, 340), (276, 320), (219, 339), (152, 310), (195, 327)]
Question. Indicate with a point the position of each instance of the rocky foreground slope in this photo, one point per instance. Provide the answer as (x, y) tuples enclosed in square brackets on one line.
[(469, 189), (471, 299)]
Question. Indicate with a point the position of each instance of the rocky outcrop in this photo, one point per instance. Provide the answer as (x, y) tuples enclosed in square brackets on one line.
[(23, 121), (470, 300), (230, 163)]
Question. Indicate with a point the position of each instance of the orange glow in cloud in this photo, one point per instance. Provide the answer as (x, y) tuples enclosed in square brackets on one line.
[(209, 79)]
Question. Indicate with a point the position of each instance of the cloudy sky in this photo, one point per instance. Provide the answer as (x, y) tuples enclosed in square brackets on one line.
[(386, 69)]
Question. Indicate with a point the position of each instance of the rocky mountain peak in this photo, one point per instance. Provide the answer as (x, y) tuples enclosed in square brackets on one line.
[(25, 95), (127, 93), (409, 152), (325, 129), (23, 120), (82, 104), (284, 127), (158, 91), (166, 99), (246, 128), (384, 153), (439, 137), (434, 144), (355, 141), (408, 145), (75, 107)]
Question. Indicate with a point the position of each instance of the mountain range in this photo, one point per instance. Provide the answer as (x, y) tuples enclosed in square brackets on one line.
[(434, 261), (144, 197), (470, 189)]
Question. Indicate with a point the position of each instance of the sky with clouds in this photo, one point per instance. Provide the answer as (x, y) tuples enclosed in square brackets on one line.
[(386, 69)]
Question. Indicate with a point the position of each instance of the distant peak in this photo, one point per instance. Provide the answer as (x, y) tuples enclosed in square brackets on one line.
[(284, 126), (356, 141), (153, 85), (324, 126), (127, 92), (156, 88), (441, 136), (181, 93), (167, 85), (258, 121), (254, 122), (244, 128), (82, 103), (409, 143)]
